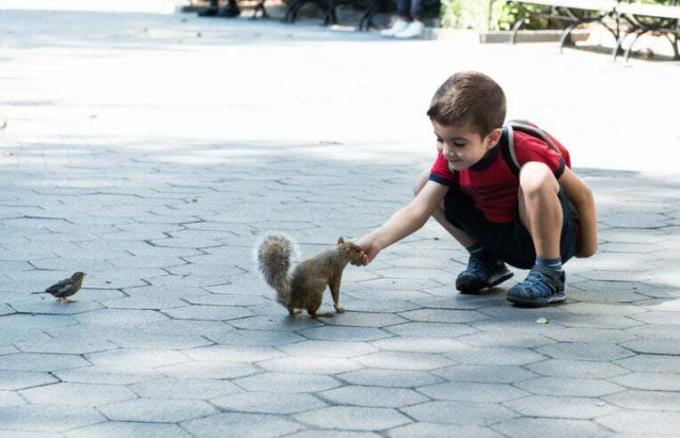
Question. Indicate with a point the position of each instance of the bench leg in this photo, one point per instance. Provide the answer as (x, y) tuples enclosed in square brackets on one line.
[(629, 49), (565, 39), (515, 29)]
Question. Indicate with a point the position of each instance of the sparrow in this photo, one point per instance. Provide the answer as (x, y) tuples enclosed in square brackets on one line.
[(66, 287)]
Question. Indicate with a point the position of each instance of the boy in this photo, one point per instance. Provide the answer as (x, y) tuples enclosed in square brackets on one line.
[(517, 204)]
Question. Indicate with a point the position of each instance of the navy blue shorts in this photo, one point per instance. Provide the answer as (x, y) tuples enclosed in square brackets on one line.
[(510, 242)]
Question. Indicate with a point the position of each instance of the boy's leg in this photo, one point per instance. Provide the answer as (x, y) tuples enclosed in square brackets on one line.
[(540, 211), (483, 269)]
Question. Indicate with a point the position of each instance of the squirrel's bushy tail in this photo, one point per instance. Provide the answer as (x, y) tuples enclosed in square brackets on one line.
[(273, 258)]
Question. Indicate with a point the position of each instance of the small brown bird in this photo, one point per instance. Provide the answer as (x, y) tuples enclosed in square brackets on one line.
[(66, 287)]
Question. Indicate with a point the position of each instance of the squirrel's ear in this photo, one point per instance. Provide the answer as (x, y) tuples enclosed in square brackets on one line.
[(341, 240)]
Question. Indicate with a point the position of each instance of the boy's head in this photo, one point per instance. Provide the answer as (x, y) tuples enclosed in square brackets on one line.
[(470, 99), (467, 112)]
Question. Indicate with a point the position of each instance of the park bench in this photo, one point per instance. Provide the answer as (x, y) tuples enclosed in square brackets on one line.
[(620, 17), (369, 7)]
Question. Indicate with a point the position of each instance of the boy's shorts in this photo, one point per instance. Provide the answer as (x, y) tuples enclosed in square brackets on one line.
[(510, 242)]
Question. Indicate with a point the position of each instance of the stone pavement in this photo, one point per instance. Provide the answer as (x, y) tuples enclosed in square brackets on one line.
[(152, 150)]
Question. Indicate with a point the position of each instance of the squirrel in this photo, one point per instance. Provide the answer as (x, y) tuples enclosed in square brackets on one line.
[(304, 287)]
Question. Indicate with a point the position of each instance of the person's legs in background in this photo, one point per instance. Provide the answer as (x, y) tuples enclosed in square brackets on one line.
[(231, 10), (402, 21), (416, 27)]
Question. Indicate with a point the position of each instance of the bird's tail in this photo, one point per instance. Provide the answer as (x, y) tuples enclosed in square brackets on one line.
[(273, 258)]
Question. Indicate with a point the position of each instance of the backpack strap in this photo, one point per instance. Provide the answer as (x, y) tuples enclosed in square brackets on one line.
[(507, 140)]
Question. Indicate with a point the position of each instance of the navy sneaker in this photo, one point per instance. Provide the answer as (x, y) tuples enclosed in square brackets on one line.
[(542, 286), (481, 273)]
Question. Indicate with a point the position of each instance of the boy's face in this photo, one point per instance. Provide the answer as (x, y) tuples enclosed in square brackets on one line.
[(463, 146)]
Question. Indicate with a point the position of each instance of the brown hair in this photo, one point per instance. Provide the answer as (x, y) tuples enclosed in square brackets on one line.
[(469, 97)]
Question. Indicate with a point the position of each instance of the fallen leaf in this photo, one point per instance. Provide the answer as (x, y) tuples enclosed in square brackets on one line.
[(542, 320), (199, 34), (3, 124), (93, 116)]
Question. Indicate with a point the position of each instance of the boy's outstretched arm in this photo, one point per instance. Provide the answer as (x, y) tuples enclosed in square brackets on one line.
[(582, 197), (407, 220)]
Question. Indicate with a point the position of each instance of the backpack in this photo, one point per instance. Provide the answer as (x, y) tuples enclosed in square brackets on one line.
[(533, 130)]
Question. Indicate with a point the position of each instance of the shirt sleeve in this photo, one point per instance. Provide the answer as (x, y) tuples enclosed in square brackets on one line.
[(529, 148), (440, 172)]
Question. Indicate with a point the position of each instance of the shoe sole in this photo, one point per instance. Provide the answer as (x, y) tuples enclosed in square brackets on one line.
[(478, 288), (521, 302)]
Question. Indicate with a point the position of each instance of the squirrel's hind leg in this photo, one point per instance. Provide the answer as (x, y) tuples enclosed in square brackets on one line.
[(293, 311)]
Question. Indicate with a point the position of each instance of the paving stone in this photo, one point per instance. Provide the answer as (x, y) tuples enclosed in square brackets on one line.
[(646, 400), (208, 369), (49, 306), (275, 323), (49, 418), (390, 378), (432, 329), (157, 410), (227, 300), (507, 338), (119, 317), (239, 424), (106, 376), (211, 313), (353, 418), (485, 374), (642, 422), (77, 394), (261, 338), (424, 429), (655, 331), (40, 362), (421, 345), (561, 407), (8, 398), (404, 361), (136, 360), (459, 412), (332, 434), (652, 363), (651, 381), (337, 349), (143, 302), (373, 396), (594, 335), (280, 382), (494, 356), (596, 351), (133, 430), (234, 353), (65, 346), (12, 380), (184, 388), (309, 364), (657, 317), (263, 402), (576, 387), (548, 428), (577, 369), (345, 333), (476, 392), (654, 346), (364, 319)]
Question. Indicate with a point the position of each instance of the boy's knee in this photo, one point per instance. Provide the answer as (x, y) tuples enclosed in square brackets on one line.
[(420, 182), (535, 177)]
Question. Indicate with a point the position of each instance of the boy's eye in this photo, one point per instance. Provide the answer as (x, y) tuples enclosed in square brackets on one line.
[(439, 140), (459, 143)]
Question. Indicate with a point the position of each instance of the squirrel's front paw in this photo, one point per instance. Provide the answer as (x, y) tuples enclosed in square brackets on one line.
[(339, 309)]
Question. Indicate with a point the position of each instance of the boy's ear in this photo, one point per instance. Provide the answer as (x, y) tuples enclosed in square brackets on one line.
[(494, 136), (341, 240)]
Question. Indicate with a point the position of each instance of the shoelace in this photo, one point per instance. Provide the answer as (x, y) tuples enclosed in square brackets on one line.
[(477, 268)]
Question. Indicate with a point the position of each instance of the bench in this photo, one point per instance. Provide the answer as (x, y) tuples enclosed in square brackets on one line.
[(369, 8), (643, 18), (621, 18)]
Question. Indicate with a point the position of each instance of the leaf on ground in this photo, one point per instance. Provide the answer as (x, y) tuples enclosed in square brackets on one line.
[(542, 320), (3, 124)]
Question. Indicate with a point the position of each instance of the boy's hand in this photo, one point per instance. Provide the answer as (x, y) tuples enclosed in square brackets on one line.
[(368, 253)]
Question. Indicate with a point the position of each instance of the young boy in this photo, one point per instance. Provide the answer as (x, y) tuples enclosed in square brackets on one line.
[(507, 196)]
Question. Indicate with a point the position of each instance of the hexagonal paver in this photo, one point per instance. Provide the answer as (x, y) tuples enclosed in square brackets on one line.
[(185, 388), (77, 394), (398, 360), (119, 317), (240, 425), (40, 362), (263, 402), (421, 344), (669, 347), (66, 346), (646, 400), (561, 407), (136, 359), (550, 428), (12, 380), (577, 368), (328, 349), (643, 422), (459, 412), (585, 351), (353, 418), (49, 418), (390, 378), (443, 315), (651, 363), (650, 381), (494, 356), (106, 376), (433, 329), (485, 373), (365, 319), (476, 392), (373, 396), (234, 353), (208, 369), (278, 382), (345, 333), (115, 430), (157, 410), (442, 430), (8, 398), (211, 313), (313, 365), (577, 387)]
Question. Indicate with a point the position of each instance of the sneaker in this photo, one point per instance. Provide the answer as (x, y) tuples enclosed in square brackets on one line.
[(541, 287), (210, 12), (481, 273), (414, 30), (397, 27)]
